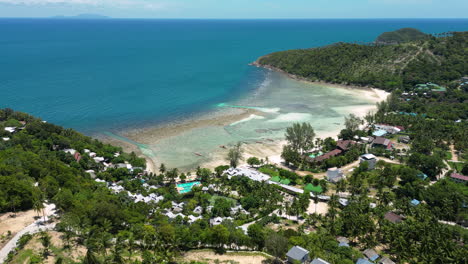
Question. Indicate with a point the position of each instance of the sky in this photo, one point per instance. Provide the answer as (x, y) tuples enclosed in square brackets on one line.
[(238, 8)]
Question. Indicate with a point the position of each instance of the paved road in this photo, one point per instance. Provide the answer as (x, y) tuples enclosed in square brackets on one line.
[(33, 228)]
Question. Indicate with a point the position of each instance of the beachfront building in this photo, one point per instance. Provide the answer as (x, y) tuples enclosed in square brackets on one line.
[(298, 254), (371, 160), (459, 178), (381, 142), (334, 175), (343, 241), (389, 129), (247, 172), (345, 145)]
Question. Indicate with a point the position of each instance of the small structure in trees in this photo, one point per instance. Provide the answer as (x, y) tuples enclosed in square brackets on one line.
[(298, 254)]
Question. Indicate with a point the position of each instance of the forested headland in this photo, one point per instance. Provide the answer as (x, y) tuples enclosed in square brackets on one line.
[(438, 59)]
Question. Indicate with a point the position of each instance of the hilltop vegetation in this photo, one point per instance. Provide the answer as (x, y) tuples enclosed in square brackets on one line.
[(401, 35), (111, 227), (438, 59)]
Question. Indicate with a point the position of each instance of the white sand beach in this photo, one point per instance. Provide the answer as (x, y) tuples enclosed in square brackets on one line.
[(258, 121)]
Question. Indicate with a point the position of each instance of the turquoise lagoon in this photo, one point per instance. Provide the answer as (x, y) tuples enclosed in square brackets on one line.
[(108, 77)]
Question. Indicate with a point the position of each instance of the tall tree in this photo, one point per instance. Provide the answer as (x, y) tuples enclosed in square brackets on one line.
[(235, 155), (352, 122), (276, 244), (300, 137)]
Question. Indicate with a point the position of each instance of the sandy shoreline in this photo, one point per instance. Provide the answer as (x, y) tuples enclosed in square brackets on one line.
[(369, 92), (263, 149)]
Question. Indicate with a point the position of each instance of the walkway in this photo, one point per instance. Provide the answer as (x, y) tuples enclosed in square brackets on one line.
[(33, 228)]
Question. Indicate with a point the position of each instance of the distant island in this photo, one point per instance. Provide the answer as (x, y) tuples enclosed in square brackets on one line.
[(82, 16), (419, 58), (401, 35)]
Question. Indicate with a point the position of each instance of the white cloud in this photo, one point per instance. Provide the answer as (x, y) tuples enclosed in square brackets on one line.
[(145, 4)]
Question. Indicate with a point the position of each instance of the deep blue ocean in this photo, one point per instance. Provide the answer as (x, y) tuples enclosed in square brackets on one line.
[(104, 75)]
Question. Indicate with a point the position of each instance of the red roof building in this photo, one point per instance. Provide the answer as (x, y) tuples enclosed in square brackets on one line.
[(459, 177), (326, 156), (77, 156), (345, 145)]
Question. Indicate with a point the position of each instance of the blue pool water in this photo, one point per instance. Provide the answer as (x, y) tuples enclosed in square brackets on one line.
[(187, 187)]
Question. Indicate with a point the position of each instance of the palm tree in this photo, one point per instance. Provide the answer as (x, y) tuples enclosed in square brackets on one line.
[(38, 203)]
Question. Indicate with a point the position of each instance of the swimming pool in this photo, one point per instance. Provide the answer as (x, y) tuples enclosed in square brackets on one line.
[(186, 187)]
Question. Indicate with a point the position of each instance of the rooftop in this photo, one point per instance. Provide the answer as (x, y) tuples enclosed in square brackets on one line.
[(368, 156), (319, 261), (459, 176), (297, 253), (392, 217), (379, 133), (371, 254)]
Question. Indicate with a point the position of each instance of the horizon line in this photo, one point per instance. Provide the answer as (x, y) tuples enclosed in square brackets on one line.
[(76, 17)]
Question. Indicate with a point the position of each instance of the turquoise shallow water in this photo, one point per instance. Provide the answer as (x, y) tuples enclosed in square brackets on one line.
[(106, 75), (111, 76)]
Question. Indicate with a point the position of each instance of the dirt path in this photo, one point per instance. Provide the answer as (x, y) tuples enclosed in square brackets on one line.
[(14, 222), (454, 153), (34, 227), (212, 258)]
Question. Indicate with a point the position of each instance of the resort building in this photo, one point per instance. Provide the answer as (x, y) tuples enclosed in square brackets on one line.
[(415, 202), (456, 177), (363, 261), (334, 175), (386, 260), (371, 254), (325, 156), (389, 129), (247, 172), (198, 210), (404, 139), (381, 142), (345, 145), (10, 129), (193, 219), (319, 261), (298, 254), (371, 160), (392, 217), (379, 133), (219, 220)]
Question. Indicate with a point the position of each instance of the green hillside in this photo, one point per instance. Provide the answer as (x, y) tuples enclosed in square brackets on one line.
[(401, 35), (439, 60)]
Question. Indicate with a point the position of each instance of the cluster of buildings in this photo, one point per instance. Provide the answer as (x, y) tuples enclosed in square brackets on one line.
[(342, 146), (98, 159), (247, 172), (151, 198), (384, 129), (299, 254), (12, 130)]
